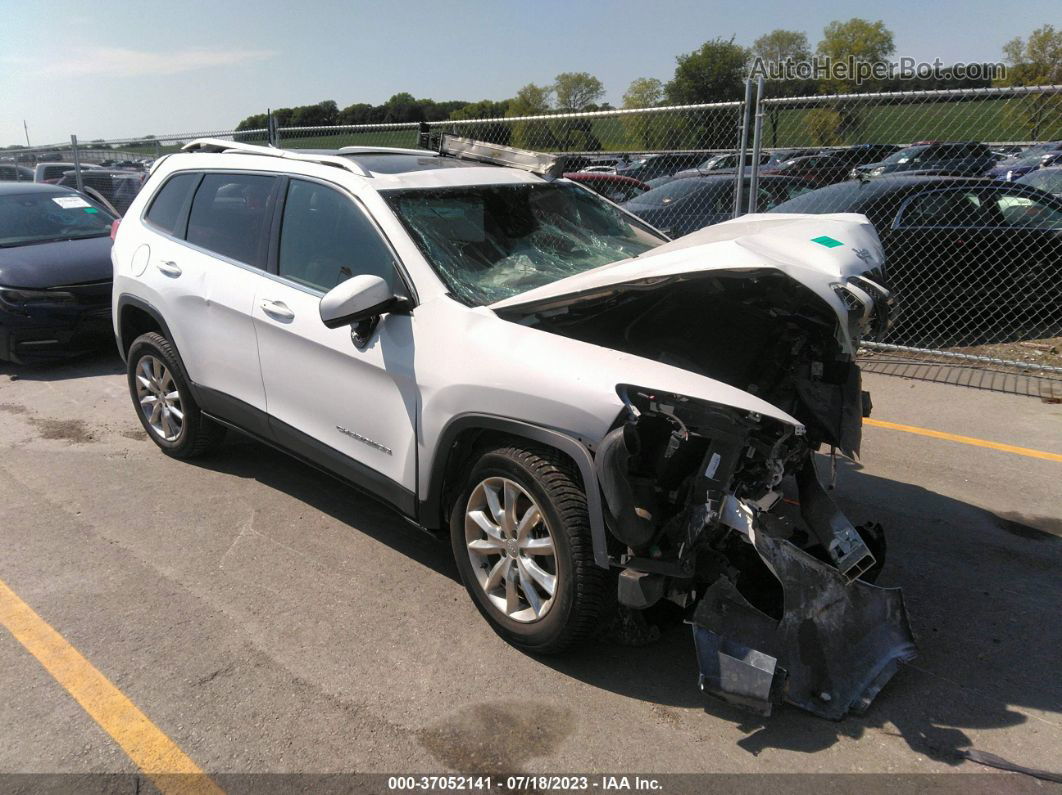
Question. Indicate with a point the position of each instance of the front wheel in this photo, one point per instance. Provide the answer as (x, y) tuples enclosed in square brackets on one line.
[(521, 538)]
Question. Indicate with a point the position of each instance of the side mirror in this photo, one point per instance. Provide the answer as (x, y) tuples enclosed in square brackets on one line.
[(359, 298)]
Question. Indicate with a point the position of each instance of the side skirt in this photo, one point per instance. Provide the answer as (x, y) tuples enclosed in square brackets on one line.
[(253, 422)]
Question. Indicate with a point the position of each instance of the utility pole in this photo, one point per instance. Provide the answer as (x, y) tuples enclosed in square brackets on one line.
[(24, 127)]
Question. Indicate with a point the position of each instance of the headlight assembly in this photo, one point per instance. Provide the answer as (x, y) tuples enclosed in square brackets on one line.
[(16, 297)]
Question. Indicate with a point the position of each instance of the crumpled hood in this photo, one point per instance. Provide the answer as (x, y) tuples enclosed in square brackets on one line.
[(63, 262), (816, 250)]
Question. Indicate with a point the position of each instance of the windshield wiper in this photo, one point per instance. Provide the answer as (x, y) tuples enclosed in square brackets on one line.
[(52, 240)]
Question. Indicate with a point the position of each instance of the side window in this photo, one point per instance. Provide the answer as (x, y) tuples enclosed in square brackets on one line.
[(946, 208), (230, 216), (326, 239), (1026, 211), (166, 207)]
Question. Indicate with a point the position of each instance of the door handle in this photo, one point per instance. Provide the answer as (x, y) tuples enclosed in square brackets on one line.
[(277, 309), (169, 267)]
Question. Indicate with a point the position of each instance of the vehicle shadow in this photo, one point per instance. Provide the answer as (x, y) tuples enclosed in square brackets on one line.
[(982, 592), (102, 362), (243, 457)]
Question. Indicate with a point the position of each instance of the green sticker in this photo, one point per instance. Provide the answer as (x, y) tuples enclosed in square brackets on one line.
[(91, 210), (827, 241)]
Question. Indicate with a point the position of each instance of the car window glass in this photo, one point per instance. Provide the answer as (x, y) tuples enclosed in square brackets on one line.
[(946, 208), (165, 210), (230, 216), (1026, 211), (41, 217), (325, 239)]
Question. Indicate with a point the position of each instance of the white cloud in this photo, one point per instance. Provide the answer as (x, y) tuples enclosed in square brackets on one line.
[(120, 62)]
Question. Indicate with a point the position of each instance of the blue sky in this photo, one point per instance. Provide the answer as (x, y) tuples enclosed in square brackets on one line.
[(128, 69)]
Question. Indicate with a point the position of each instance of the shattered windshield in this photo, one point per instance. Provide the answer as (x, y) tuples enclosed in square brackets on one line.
[(490, 242)]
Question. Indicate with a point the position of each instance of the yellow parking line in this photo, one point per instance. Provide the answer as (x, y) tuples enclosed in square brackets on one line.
[(951, 437), (171, 770)]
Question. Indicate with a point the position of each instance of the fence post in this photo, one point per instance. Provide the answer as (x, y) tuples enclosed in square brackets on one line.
[(272, 133), (77, 162), (754, 180), (743, 142)]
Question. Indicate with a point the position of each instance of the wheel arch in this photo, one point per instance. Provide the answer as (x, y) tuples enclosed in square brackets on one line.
[(466, 432), (136, 317)]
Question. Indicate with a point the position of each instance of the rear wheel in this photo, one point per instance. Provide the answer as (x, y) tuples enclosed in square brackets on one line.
[(521, 538), (164, 402)]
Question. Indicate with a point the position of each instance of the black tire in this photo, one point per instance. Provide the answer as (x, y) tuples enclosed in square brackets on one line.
[(198, 434), (550, 479)]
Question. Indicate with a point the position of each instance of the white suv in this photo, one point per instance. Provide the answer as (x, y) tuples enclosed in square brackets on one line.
[(605, 422)]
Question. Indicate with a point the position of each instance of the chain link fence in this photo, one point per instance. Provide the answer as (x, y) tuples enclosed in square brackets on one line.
[(976, 265)]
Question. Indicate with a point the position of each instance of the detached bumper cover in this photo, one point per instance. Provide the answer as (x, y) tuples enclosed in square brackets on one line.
[(835, 647)]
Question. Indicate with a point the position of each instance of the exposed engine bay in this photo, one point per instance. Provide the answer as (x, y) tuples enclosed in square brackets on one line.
[(721, 510)]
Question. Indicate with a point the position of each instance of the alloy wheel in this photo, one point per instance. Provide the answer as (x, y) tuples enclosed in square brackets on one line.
[(160, 401), (511, 549)]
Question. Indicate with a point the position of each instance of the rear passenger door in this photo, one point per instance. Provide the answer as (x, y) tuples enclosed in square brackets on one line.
[(205, 265), (349, 407)]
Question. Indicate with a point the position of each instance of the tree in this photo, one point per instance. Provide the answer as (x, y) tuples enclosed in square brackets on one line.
[(643, 92), (645, 130), (1036, 61), (498, 132), (577, 91), (531, 100), (853, 42), (714, 73), (856, 41), (782, 47)]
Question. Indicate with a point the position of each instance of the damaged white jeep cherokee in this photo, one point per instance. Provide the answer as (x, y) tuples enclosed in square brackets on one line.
[(605, 421)]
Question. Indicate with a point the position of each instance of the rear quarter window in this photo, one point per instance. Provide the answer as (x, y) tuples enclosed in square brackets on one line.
[(168, 206)]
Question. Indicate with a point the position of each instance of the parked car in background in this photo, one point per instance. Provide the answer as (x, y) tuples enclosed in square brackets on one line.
[(648, 167), (12, 172), (53, 172), (688, 204), (1047, 179), (1031, 159), (817, 170), (55, 272), (966, 158), (959, 250), (724, 163), (785, 155), (613, 187), (116, 188)]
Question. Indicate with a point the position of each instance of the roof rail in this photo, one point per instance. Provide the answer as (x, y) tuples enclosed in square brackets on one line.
[(217, 145)]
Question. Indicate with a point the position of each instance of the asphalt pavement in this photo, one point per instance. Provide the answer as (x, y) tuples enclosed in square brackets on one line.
[(265, 618)]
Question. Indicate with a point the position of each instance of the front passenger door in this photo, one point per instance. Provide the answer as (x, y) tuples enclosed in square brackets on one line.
[(351, 408)]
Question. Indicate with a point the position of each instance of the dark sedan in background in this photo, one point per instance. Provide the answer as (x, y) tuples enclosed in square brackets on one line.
[(649, 167), (960, 159), (1048, 180), (832, 166), (55, 272), (113, 188), (11, 172), (961, 254), (1033, 158), (685, 205)]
